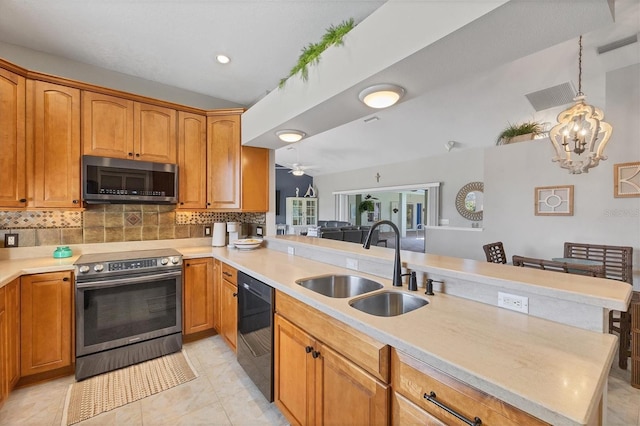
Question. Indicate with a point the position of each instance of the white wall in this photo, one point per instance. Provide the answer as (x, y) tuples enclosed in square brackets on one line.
[(510, 173), (54, 65)]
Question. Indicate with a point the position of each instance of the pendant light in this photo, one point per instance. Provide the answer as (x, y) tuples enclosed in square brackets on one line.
[(581, 135)]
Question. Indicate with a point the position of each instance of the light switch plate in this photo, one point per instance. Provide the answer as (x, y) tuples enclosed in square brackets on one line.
[(207, 231), (11, 240)]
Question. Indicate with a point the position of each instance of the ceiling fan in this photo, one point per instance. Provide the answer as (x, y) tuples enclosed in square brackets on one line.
[(297, 168)]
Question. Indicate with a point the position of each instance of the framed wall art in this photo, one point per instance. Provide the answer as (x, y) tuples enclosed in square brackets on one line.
[(626, 180), (554, 200)]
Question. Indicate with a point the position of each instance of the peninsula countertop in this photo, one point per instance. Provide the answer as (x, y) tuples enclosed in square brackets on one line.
[(550, 370)]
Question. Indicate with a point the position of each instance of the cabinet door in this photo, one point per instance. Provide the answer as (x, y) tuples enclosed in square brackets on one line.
[(223, 150), (217, 295), (12, 140), (107, 126), (198, 295), (294, 373), (255, 179), (53, 134), (192, 160), (154, 133), (4, 361), (346, 394), (229, 314), (12, 308), (45, 322)]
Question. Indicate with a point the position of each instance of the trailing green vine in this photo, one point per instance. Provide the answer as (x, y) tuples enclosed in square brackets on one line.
[(311, 53)]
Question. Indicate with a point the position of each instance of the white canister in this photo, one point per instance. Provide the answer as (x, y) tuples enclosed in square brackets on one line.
[(219, 234), (233, 226)]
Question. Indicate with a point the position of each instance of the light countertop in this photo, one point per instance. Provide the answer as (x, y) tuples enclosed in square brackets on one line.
[(552, 371)]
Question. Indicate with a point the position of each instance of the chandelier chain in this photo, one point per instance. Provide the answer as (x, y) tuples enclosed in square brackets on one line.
[(580, 68)]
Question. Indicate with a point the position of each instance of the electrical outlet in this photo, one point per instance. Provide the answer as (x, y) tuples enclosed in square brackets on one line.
[(291, 250), (259, 231), (11, 240), (207, 231), (352, 264), (513, 302)]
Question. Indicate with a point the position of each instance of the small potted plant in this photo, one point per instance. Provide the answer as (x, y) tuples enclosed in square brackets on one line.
[(519, 132)]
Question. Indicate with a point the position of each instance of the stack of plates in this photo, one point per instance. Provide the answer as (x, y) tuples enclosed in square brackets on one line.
[(247, 243)]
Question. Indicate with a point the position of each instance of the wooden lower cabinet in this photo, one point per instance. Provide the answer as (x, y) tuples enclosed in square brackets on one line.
[(45, 322), (198, 297), (229, 306), (314, 384), (4, 380), (12, 307), (412, 379), (217, 294)]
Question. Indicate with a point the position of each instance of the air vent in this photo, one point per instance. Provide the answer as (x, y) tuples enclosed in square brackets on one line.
[(561, 94), (618, 44)]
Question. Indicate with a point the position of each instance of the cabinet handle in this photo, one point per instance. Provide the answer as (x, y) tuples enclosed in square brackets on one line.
[(235, 294), (188, 264), (432, 398), (131, 154), (315, 354), (208, 204), (23, 200), (65, 279), (227, 274), (74, 201), (137, 155), (181, 203), (308, 349)]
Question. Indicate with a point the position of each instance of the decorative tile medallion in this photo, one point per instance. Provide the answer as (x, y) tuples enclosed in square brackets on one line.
[(133, 219)]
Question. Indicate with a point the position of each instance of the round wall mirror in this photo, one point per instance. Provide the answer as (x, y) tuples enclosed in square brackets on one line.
[(470, 200)]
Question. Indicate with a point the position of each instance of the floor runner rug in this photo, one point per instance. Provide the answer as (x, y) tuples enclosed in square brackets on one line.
[(114, 389)]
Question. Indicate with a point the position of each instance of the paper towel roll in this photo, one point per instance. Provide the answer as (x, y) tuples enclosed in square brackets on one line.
[(219, 234)]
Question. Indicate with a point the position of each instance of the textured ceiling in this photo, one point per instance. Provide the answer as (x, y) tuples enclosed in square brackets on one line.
[(175, 42)]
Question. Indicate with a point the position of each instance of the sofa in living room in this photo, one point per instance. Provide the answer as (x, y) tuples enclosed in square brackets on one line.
[(344, 231)]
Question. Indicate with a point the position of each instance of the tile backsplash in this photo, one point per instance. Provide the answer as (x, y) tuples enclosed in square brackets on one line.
[(112, 223)]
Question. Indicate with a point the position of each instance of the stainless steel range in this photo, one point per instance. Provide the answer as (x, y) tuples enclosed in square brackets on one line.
[(128, 308)]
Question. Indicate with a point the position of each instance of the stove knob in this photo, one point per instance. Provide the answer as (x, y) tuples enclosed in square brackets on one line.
[(164, 261), (84, 269), (98, 268), (175, 260)]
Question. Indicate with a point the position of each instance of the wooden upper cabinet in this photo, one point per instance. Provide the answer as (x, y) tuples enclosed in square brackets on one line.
[(107, 126), (53, 145), (119, 128), (192, 160), (155, 133), (223, 169), (255, 179), (12, 140)]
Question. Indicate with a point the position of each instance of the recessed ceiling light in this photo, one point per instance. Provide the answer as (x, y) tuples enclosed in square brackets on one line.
[(381, 95), (290, 135), (223, 59)]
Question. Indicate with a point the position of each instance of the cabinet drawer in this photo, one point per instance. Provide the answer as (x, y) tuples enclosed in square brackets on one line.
[(413, 379), (405, 412), (368, 353), (230, 274)]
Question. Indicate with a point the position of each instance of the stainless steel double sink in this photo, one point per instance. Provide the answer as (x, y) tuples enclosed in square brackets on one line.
[(383, 304)]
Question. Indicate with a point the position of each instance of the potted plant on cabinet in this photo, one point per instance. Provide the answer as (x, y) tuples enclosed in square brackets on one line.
[(519, 132)]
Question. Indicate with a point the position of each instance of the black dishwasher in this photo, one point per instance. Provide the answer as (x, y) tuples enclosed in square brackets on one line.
[(255, 332)]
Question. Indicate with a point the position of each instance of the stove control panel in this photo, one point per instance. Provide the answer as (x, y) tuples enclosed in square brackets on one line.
[(114, 266)]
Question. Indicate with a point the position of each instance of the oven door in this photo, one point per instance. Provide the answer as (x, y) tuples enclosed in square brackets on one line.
[(121, 311)]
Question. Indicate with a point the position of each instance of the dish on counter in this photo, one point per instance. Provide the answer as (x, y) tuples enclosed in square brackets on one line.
[(247, 243)]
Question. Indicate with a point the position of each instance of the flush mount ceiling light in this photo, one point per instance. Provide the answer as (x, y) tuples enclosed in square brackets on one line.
[(381, 95), (223, 59), (290, 135), (297, 172), (580, 131)]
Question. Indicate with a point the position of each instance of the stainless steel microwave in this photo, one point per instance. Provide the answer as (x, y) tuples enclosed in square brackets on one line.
[(117, 181)]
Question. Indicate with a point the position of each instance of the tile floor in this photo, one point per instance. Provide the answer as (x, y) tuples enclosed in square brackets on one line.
[(224, 395), (221, 395)]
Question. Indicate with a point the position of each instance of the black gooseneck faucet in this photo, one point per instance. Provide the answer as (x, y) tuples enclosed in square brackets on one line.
[(397, 268)]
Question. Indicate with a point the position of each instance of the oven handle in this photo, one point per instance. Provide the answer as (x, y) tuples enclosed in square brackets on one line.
[(126, 281)]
